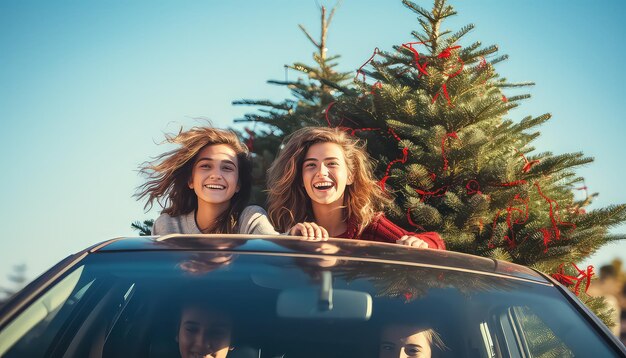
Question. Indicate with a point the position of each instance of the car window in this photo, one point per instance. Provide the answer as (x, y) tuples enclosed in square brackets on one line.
[(161, 304), (538, 338), (34, 329)]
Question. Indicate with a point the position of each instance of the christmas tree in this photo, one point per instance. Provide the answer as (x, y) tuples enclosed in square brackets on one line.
[(433, 112), (312, 94)]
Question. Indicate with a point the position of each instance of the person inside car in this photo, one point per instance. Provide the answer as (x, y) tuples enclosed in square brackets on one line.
[(321, 185), (407, 340), (203, 331), (205, 185)]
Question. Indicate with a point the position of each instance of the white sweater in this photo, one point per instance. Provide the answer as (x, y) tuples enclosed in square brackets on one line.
[(252, 220)]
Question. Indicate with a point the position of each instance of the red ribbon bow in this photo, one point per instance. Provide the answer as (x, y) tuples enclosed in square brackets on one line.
[(568, 280)]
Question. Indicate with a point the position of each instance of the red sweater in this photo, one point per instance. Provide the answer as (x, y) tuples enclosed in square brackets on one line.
[(383, 230)]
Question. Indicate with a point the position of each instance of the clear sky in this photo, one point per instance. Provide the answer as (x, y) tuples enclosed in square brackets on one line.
[(87, 88)]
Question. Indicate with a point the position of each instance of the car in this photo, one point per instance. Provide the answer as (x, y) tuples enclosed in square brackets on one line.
[(275, 296)]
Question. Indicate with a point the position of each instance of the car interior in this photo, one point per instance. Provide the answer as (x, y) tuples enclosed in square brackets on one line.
[(278, 309)]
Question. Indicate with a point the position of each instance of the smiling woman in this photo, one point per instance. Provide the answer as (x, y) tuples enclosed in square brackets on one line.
[(324, 176), (203, 331), (204, 186)]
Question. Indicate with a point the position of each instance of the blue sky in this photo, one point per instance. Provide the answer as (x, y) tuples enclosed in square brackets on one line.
[(87, 88)]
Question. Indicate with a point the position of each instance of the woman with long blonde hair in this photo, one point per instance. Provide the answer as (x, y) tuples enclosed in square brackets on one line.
[(323, 176), (203, 185)]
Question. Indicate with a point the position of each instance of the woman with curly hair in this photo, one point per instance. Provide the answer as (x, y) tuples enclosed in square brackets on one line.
[(323, 176), (203, 186)]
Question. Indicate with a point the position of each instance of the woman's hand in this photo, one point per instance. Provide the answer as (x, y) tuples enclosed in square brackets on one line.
[(309, 231), (413, 241)]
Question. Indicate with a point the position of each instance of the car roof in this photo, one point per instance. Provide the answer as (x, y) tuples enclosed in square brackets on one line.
[(341, 248)]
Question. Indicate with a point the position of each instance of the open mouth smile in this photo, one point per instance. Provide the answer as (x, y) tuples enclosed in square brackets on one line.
[(323, 185), (215, 186)]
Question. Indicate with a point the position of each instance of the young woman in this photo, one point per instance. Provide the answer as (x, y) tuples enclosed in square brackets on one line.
[(410, 340), (204, 186), (322, 175), (203, 331)]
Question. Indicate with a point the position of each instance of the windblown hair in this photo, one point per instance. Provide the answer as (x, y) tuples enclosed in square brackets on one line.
[(169, 175), (288, 202), (435, 340)]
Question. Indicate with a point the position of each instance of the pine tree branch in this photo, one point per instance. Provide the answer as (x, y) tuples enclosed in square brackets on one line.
[(499, 59), (306, 33), (459, 34), (514, 85), (420, 37), (418, 9), (332, 12), (614, 237), (345, 90), (518, 98)]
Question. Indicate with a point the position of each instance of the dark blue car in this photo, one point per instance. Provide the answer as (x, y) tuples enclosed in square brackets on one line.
[(238, 296)]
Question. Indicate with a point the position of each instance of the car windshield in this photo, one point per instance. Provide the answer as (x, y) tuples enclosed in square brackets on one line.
[(187, 304)]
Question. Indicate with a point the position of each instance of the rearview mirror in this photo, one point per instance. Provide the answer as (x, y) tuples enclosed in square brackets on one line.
[(324, 303)]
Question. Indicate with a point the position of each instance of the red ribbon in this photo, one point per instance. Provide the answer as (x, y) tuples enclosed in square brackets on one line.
[(444, 88), (407, 297), (428, 194), (416, 57), (443, 149), (514, 216), (565, 280), (554, 219), (405, 150), (375, 86), (250, 140), (408, 217), (522, 218), (328, 110), (354, 130), (445, 94), (473, 187), (446, 53), (549, 234), (512, 183), (584, 187), (568, 280), (393, 133), (528, 164), (483, 63), (584, 275), (405, 156), (360, 70)]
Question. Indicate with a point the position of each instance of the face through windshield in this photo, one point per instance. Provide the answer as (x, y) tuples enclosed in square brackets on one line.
[(400, 341), (203, 332)]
